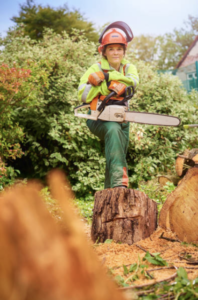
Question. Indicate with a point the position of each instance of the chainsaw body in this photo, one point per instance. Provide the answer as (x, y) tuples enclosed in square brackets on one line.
[(107, 111)]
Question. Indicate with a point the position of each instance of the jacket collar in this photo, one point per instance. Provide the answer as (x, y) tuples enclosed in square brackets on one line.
[(105, 64)]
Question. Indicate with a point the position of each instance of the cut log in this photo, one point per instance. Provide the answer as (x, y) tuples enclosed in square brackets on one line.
[(123, 215), (41, 259), (180, 211), (163, 179), (185, 161)]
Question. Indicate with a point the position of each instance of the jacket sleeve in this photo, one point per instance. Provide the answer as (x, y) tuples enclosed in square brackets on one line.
[(87, 92), (130, 78)]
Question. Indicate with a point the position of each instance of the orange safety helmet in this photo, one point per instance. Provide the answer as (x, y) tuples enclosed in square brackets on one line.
[(112, 35)]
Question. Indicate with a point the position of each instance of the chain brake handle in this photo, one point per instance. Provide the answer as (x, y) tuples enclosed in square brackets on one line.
[(128, 94)]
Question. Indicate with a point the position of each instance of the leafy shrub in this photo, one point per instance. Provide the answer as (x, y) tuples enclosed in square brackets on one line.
[(153, 149), (13, 94)]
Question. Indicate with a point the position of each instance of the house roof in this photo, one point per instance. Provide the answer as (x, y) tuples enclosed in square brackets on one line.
[(187, 52)]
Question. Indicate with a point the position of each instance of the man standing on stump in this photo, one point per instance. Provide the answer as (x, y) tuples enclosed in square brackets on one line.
[(112, 73)]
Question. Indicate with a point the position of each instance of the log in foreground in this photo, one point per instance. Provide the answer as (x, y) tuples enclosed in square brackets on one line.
[(180, 211), (41, 260), (124, 215)]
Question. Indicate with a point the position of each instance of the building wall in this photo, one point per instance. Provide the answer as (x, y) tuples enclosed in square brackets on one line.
[(191, 57), (183, 72)]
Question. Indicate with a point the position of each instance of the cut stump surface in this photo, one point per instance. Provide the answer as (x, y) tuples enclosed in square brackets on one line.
[(180, 211), (124, 215)]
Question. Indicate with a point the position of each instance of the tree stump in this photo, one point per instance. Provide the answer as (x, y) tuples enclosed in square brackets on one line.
[(180, 211), (124, 215)]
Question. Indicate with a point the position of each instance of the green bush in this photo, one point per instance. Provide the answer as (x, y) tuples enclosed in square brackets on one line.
[(153, 149), (54, 138)]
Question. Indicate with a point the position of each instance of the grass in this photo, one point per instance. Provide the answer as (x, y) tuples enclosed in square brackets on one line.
[(85, 208)]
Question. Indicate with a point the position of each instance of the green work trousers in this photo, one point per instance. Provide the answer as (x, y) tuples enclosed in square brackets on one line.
[(116, 138)]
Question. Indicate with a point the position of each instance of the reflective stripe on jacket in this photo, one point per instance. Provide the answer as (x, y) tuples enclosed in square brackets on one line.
[(87, 92)]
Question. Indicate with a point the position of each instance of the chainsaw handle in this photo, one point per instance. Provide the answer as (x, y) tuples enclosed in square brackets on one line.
[(102, 105), (84, 105), (128, 94)]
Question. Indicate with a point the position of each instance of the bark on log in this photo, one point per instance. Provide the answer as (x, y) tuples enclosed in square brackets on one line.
[(180, 211), (124, 215), (41, 259)]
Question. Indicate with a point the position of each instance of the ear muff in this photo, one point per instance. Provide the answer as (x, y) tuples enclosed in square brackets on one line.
[(100, 49)]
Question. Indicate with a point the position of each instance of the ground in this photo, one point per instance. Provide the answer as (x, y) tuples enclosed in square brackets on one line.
[(138, 265)]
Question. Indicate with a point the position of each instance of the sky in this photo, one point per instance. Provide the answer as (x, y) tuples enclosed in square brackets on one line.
[(152, 17)]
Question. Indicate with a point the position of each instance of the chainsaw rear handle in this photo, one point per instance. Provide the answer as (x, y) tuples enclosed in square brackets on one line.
[(128, 94)]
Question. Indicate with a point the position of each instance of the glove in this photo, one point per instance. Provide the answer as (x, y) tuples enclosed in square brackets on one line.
[(96, 78), (117, 87)]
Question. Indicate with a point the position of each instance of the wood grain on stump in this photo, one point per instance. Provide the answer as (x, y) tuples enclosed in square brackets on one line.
[(180, 211), (124, 215)]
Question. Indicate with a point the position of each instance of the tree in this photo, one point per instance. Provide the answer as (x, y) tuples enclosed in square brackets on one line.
[(172, 47), (36, 18), (144, 47), (166, 50)]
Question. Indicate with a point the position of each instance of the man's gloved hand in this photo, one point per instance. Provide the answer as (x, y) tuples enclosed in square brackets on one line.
[(96, 78), (117, 87)]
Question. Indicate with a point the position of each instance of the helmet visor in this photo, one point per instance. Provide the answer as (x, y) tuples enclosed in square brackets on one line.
[(120, 25)]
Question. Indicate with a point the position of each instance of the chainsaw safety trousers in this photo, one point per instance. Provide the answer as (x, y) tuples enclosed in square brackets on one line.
[(116, 139), (127, 75)]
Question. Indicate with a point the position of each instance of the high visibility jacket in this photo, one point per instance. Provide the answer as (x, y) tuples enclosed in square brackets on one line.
[(127, 75)]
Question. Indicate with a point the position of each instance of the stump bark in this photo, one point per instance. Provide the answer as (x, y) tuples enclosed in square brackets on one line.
[(124, 215), (180, 211)]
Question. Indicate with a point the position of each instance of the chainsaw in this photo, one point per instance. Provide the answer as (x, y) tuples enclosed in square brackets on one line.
[(107, 110)]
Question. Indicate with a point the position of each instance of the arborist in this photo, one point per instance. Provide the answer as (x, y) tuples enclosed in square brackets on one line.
[(112, 73)]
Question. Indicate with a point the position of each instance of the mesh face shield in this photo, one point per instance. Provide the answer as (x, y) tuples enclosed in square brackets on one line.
[(120, 25)]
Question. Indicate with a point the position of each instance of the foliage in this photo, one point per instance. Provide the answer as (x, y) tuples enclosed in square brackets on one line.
[(153, 149), (14, 93), (181, 289), (156, 192), (36, 18), (85, 208), (172, 47), (155, 259), (144, 47), (54, 138), (137, 270), (165, 51)]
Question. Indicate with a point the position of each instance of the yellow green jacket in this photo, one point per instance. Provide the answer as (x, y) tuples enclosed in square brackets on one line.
[(87, 92)]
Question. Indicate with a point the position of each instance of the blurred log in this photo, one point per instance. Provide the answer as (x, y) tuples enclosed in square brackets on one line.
[(163, 179), (124, 215), (185, 161), (180, 211), (41, 260)]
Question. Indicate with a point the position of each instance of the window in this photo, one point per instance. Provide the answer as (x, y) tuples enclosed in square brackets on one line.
[(191, 76)]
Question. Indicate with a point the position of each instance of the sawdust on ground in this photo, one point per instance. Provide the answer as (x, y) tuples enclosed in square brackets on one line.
[(114, 256)]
